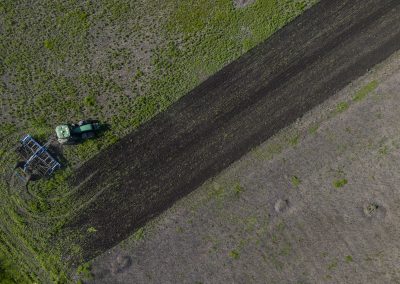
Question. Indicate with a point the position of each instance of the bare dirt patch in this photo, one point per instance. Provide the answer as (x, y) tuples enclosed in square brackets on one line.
[(242, 3)]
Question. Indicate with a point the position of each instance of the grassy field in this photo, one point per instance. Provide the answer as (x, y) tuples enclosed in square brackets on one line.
[(117, 61)]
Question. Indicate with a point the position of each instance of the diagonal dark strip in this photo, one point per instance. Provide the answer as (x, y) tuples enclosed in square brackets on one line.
[(242, 105)]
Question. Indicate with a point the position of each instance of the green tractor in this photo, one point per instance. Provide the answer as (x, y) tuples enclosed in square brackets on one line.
[(76, 133)]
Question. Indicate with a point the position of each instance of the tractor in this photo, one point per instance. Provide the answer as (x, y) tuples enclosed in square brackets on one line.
[(75, 133)]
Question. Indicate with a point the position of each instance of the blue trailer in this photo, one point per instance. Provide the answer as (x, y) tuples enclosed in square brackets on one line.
[(37, 160)]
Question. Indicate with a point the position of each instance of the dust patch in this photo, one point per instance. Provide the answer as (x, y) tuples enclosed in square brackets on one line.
[(242, 3)]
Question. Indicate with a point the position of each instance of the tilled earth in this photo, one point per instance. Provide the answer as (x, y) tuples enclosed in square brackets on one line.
[(241, 106)]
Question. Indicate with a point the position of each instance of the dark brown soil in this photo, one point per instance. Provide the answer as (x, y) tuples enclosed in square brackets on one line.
[(235, 110)]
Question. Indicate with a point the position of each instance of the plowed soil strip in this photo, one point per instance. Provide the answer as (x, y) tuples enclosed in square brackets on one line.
[(233, 111)]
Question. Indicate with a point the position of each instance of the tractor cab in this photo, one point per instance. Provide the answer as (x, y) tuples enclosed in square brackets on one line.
[(63, 133)]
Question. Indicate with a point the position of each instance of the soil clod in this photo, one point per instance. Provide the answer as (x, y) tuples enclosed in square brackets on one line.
[(374, 210), (370, 209)]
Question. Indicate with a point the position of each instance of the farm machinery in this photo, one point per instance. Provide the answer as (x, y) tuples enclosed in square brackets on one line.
[(75, 133), (38, 162)]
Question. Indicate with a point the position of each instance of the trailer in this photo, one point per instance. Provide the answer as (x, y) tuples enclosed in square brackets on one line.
[(37, 161)]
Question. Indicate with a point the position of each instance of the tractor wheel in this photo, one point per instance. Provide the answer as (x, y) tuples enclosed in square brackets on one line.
[(35, 175), (88, 135), (19, 164), (19, 150)]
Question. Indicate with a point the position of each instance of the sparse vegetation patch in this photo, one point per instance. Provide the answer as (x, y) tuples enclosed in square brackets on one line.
[(295, 181), (349, 258), (341, 107), (234, 254), (340, 183), (364, 91)]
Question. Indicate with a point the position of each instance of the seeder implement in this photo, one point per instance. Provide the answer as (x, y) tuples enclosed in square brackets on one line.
[(37, 160)]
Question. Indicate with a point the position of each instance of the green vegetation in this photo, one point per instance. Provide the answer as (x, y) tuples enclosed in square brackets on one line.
[(364, 91), (139, 234), (90, 101), (313, 129), (234, 254), (340, 183), (9, 273), (341, 107), (360, 95), (295, 181), (383, 150), (274, 149), (294, 140), (349, 258), (238, 189), (332, 265), (115, 61), (91, 230), (84, 270)]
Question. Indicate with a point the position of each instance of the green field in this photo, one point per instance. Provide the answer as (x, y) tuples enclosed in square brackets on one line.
[(121, 62)]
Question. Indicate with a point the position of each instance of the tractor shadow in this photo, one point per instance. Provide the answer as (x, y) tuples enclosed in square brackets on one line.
[(104, 127)]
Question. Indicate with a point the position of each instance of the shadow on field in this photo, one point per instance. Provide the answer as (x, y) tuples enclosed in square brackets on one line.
[(233, 111)]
